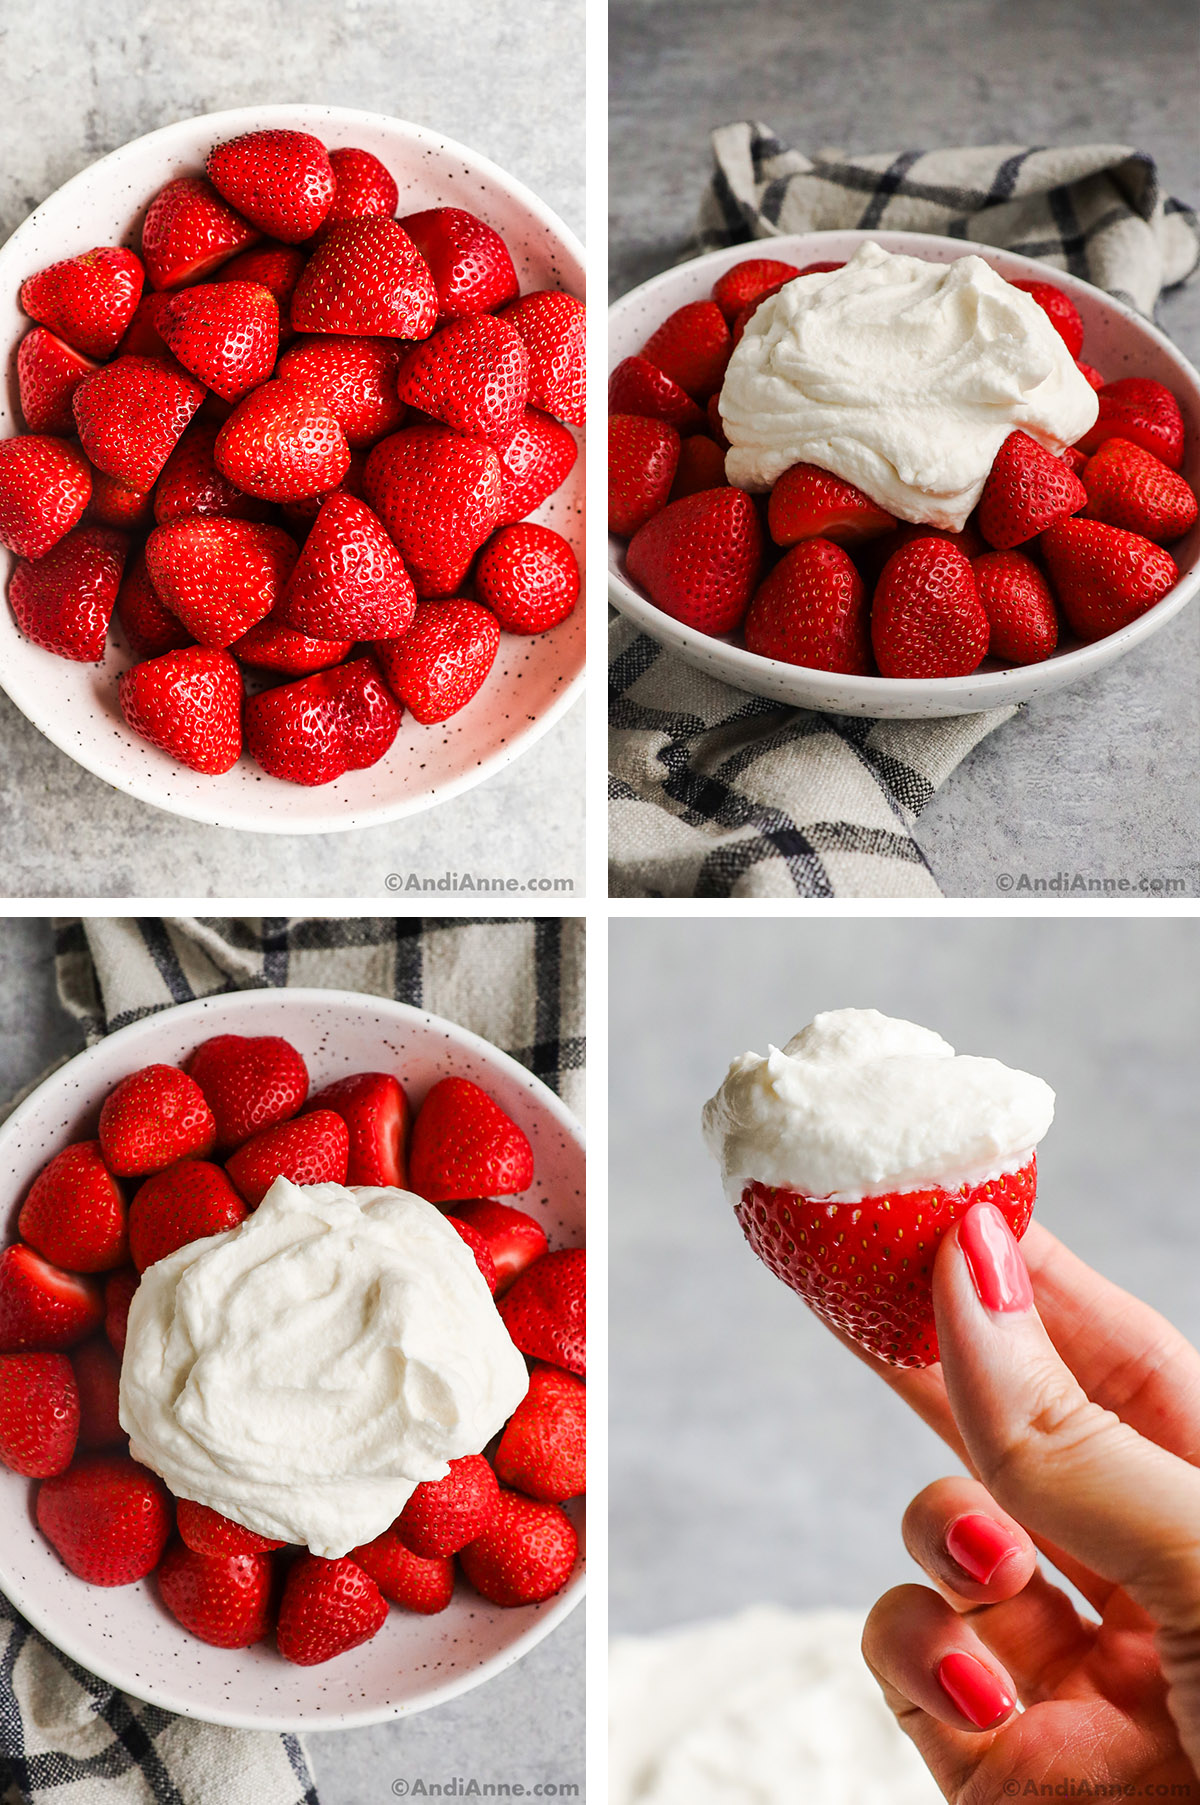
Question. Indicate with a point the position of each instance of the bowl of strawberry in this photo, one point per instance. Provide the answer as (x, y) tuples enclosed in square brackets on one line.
[(290, 493), (808, 588), (167, 1146)]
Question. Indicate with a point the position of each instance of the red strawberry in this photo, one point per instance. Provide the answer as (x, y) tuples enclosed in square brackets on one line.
[(529, 578), (442, 660), (443, 1515), (874, 554), (349, 582), (131, 414), (716, 425), (1027, 488), (119, 1288), (1129, 487), (270, 646), (275, 267), (48, 373), (64, 600), (473, 375), (1103, 576), (250, 1082), (533, 464), (74, 1212), (1022, 622), (526, 1555), (225, 1600), (39, 1413), (142, 338), (471, 267), (354, 379), (185, 1203), (750, 282), (118, 504), (107, 1517), (1142, 411), (643, 455), (543, 1449), (809, 503), (281, 444), (206, 1531), (545, 1310), (313, 1149), (187, 703), (219, 576), (479, 1247), (225, 333), (866, 1268), (1064, 315), (699, 559), (636, 386), (692, 347), (813, 610), (815, 269), (438, 495), (554, 328), (328, 1607), (366, 277), (361, 187), (98, 1382), (281, 181), (464, 1145), (926, 617), (406, 1578), (41, 1306), (741, 321), (318, 728), (1090, 375), (189, 231), (513, 1239), (701, 466), (375, 1110), (87, 300), (300, 515), (45, 485), (191, 483), (152, 1118)]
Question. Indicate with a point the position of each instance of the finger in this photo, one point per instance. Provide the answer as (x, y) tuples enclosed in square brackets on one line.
[(1066, 1468), (966, 1543)]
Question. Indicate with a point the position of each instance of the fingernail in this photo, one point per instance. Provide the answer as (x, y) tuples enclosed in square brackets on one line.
[(994, 1260), (974, 1690), (978, 1545)]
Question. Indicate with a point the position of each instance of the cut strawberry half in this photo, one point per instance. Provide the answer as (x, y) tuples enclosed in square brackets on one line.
[(43, 1307)]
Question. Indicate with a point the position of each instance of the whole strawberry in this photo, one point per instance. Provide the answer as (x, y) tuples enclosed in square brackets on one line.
[(1064, 315), (1022, 619), (270, 646), (119, 1288), (354, 379), (479, 1247), (542, 1451), (281, 181), (131, 414), (117, 503), (809, 503), (64, 600), (464, 1145), (282, 445), (375, 1110), (107, 1517), (813, 610), (39, 1413), (45, 485), (553, 325), (470, 264), (362, 186), (926, 616), (1027, 488), (191, 483), (327, 1608), (190, 1200), (545, 1311), (513, 1239), (74, 1212), (152, 1118), (637, 386), (1131, 488), (438, 495), (692, 347), (443, 658), (187, 703), (250, 1082), (533, 464), (1142, 411), (219, 577), (529, 578), (87, 300), (43, 1307), (48, 373), (313, 1149), (315, 730), (526, 1555), (473, 375), (1104, 577), (189, 231), (206, 1531), (225, 1600), (443, 1515), (225, 333), (275, 267), (350, 581), (701, 466), (750, 282), (699, 559), (642, 458), (421, 1585), (366, 276), (98, 1382)]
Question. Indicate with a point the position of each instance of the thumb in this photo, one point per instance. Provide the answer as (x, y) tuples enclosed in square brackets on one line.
[(1067, 1469)]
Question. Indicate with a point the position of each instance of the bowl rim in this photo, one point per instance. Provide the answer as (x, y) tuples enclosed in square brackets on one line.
[(232, 120), (549, 1617), (993, 688)]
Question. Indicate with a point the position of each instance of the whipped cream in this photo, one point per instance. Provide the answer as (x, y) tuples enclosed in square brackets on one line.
[(860, 1103), (765, 1708), (303, 1372), (901, 376)]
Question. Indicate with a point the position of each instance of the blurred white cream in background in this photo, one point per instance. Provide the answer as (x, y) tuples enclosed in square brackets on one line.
[(769, 1707)]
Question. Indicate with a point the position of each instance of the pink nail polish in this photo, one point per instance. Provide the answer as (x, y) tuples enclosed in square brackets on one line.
[(978, 1545), (974, 1690), (994, 1260)]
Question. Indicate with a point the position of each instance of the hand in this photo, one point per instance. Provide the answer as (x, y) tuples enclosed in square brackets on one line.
[(1080, 1421)]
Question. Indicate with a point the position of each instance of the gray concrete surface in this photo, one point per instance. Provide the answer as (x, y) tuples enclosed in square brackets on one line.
[(1101, 779), (751, 1457), (510, 83), (524, 1727)]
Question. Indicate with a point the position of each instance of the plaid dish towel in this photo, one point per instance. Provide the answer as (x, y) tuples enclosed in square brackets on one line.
[(717, 793), (66, 1737)]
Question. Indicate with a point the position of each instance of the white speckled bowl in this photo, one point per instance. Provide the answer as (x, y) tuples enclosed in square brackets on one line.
[(534, 680), (1117, 341), (124, 1634)]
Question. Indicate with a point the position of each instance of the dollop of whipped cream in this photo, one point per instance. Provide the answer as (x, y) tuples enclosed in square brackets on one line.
[(858, 1104), (303, 1372), (902, 376), (765, 1708)]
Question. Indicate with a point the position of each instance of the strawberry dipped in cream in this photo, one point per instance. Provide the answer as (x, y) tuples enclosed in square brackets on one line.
[(848, 1154)]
